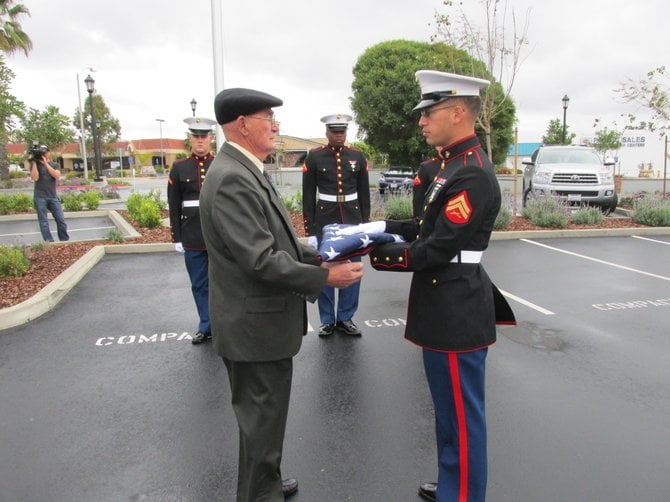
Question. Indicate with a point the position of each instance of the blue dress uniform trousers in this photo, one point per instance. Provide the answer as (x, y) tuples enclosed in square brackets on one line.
[(347, 302), (456, 381), (197, 267)]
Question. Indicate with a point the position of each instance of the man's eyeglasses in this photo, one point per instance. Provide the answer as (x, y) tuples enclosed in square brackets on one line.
[(271, 119), (427, 112)]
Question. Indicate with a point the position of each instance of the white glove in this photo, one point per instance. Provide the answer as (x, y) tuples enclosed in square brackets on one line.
[(178, 247), (313, 241), (373, 227)]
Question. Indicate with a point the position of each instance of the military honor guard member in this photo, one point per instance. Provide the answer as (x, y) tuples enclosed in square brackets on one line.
[(422, 181), (336, 189), (261, 277), (452, 303), (183, 192)]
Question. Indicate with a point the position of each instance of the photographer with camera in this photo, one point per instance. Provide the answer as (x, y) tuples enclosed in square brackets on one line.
[(45, 174)]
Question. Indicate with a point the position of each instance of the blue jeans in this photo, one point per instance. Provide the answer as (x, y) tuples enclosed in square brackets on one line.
[(197, 267), (347, 302), (52, 204)]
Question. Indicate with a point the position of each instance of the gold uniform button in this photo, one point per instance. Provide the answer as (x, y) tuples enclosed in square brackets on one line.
[(400, 259), (388, 258), (434, 282), (374, 258)]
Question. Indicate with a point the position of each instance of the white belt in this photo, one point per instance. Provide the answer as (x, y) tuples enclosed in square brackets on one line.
[(338, 198), (190, 203), (468, 257)]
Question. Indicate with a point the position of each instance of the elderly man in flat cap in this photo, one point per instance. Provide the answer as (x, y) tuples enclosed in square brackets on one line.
[(183, 191), (260, 276), (453, 306), (335, 189)]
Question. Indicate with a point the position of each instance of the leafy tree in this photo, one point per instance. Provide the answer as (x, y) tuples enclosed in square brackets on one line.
[(498, 45), (12, 36), (653, 93), (554, 134), (108, 127), (10, 109), (372, 155), (385, 92), (606, 140), (49, 127)]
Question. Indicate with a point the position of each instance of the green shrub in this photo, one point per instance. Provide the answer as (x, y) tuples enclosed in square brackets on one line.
[(293, 203), (148, 214), (115, 235), (72, 202), (91, 198), (399, 207), (546, 212), (653, 212), (588, 216), (15, 202), (18, 174), (503, 219), (13, 261), (22, 202)]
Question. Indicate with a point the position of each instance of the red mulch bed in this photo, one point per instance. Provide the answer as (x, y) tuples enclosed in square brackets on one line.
[(47, 263)]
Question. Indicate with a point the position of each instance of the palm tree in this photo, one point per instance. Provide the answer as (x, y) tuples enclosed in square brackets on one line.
[(12, 36), (12, 39)]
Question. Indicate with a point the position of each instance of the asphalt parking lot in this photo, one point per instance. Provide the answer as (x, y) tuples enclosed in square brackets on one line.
[(106, 399)]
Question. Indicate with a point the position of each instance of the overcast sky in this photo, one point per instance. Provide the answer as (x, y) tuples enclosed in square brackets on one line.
[(152, 57)]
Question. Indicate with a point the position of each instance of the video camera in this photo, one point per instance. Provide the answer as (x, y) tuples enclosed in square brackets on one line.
[(37, 151)]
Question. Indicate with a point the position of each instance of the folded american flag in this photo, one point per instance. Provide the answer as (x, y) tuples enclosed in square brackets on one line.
[(337, 245)]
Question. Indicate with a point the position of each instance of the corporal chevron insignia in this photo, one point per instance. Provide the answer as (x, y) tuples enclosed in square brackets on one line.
[(338, 247), (458, 208)]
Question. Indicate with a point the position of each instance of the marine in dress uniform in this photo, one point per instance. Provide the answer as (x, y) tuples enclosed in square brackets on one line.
[(336, 189), (422, 181), (183, 192), (452, 305)]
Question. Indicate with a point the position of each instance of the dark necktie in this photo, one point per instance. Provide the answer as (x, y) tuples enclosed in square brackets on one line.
[(267, 177)]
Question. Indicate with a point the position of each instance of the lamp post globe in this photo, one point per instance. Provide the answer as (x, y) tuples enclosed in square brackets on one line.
[(194, 103)]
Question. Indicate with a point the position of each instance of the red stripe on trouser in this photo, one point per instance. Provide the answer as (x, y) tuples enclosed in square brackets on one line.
[(462, 426)]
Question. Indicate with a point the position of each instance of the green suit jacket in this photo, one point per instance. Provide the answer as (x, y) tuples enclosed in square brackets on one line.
[(260, 275)]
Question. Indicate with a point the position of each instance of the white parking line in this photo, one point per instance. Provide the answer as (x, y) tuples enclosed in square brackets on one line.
[(616, 265), (542, 310), (650, 240), (69, 231)]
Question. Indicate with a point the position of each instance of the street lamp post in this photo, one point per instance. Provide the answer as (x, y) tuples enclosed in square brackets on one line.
[(94, 129), (565, 100), (194, 103), (160, 126), (81, 125)]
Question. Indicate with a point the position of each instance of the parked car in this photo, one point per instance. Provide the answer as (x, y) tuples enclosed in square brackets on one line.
[(574, 174), (397, 179)]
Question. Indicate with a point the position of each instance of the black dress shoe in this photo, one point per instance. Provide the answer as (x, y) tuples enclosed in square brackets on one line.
[(349, 328), (200, 337), (289, 487), (326, 329), (428, 491)]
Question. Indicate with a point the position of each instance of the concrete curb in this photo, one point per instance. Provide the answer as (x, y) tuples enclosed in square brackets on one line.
[(47, 298)]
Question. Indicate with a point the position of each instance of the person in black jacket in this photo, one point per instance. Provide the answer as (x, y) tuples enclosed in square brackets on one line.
[(452, 302), (422, 181), (183, 192), (336, 189)]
